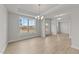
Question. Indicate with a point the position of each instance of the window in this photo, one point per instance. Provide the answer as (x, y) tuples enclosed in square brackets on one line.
[(32, 25), (27, 24)]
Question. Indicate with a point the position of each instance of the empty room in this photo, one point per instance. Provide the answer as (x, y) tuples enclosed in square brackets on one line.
[(39, 28)]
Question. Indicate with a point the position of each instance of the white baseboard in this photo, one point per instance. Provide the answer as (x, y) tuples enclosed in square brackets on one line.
[(23, 38), (76, 47), (3, 50)]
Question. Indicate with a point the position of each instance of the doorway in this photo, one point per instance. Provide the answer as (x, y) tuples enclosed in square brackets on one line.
[(59, 28), (47, 26)]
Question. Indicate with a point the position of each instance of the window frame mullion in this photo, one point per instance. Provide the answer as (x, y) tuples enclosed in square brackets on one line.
[(28, 25)]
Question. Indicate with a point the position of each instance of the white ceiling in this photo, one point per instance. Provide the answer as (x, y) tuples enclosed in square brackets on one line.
[(30, 9)]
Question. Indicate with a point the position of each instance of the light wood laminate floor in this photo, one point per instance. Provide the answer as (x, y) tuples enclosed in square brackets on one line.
[(55, 44)]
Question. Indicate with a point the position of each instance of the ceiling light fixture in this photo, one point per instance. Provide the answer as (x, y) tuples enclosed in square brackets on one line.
[(39, 17)]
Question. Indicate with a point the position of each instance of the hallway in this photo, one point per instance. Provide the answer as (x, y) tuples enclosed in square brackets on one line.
[(51, 44)]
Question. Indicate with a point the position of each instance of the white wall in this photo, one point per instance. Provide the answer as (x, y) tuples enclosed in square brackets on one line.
[(53, 27), (75, 28), (14, 33), (72, 11), (64, 24), (3, 28)]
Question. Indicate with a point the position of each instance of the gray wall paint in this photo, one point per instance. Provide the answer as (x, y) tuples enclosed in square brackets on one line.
[(53, 27), (75, 28), (14, 33), (59, 28), (72, 13), (3, 28), (65, 24)]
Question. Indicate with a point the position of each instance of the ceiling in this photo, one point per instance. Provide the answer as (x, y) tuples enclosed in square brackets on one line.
[(30, 9)]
